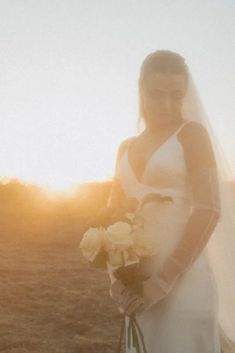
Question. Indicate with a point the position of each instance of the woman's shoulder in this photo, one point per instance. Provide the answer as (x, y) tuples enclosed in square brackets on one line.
[(125, 143), (196, 142), (128, 140), (193, 130), (123, 146), (194, 135)]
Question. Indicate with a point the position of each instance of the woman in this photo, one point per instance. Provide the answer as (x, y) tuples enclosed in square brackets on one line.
[(172, 156)]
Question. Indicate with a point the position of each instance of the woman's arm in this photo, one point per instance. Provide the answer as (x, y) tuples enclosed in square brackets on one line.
[(126, 301), (203, 180), (116, 190), (114, 200), (116, 194)]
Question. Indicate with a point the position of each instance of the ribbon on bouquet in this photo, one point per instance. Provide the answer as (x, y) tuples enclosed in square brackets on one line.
[(133, 330)]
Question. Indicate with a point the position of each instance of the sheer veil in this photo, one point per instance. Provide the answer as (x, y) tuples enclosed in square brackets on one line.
[(221, 245)]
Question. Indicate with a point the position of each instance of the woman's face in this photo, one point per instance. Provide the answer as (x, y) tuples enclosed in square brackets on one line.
[(163, 95)]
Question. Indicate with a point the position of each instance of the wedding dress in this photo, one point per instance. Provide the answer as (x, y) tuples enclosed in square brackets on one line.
[(197, 313), (185, 321)]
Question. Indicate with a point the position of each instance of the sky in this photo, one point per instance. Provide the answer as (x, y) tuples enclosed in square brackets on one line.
[(69, 79)]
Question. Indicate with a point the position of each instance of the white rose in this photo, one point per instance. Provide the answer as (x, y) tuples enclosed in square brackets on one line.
[(119, 258), (130, 257), (130, 216), (92, 242), (115, 258), (118, 237)]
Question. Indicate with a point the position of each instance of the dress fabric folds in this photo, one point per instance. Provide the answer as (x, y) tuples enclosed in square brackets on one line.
[(186, 320)]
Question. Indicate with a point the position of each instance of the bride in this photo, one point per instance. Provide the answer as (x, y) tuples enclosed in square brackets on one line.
[(188, 302)]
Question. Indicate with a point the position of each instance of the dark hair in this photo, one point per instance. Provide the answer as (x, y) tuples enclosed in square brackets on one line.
[(163, 61)]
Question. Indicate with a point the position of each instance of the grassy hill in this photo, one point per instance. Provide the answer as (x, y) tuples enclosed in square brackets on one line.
[(51, 300)]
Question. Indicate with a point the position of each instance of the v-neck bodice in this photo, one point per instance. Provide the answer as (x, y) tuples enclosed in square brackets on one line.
[(126, 153), (164, 173)]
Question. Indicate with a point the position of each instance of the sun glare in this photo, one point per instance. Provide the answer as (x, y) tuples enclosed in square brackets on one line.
[(58, 191)]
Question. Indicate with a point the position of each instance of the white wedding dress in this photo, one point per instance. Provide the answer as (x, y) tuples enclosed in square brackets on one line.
[(185, 321)]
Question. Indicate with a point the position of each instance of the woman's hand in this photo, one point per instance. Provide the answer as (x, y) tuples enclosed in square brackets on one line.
[(153, 294), (128, 302)]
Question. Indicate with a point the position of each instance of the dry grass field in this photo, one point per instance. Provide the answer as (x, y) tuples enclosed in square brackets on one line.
[(51, 300)]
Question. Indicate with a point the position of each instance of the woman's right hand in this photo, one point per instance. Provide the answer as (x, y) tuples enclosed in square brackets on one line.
[(127, 302)]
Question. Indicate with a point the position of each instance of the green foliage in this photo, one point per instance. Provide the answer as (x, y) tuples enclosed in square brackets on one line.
[(100, 260)]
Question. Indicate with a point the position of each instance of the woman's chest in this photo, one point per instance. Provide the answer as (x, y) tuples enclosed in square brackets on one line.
[(166, 167), (159, 165), (138, 153)]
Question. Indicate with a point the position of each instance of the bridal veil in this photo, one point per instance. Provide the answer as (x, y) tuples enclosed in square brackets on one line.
[(221, 245)]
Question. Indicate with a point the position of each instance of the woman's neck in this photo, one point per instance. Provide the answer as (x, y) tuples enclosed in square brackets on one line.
[(162, 128)]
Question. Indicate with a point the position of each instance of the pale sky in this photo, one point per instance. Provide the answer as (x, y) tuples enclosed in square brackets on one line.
[(69, 73)]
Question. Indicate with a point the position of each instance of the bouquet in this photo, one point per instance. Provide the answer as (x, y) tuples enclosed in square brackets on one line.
[(119, 247)]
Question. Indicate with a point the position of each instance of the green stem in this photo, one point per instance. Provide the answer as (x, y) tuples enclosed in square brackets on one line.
[(132, 335), (135, 338), (141, 334), (129, 333)]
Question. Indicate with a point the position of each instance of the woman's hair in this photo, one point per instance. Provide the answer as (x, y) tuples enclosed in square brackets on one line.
[(162, 61)]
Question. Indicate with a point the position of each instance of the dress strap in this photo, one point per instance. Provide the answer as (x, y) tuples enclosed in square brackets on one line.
[(181, 126)]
